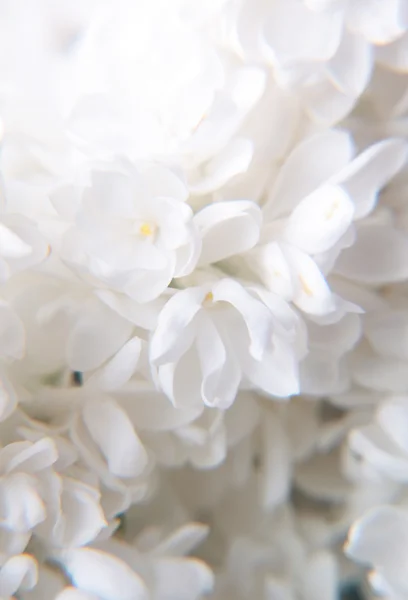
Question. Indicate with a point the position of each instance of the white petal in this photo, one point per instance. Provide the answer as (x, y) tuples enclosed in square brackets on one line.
[(370, 171), (71, 593), (161, 181), (233, 160), (319, 221), (269, 263), (104, 575), (393, 418), (21, 507), (314, 161), (378, 22), (18, 573), (182, 541), (141, 315), (81, 517), (295, 33), (327, 104), (212, 355), (379, 450), (183, 579), (379, 256), (8, 398), (111, 193), (12, 335), (96, 336), (380, 538), (312, 294), (181, 381), (170, 336), (256, 316), (277, 373), (228, 228), (337, 338), (120, 368), (150, 410), (28, 232), (350, 68), (32, 458), (11, 246), (111, 429)]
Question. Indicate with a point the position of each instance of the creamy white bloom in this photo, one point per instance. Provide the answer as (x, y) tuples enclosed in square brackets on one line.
[(308, 219), (132, 230), (210, 338)]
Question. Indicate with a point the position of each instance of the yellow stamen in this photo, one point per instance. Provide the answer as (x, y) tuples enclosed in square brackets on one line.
[(330, 212), (209, 297), (305, 286), (146, 229)]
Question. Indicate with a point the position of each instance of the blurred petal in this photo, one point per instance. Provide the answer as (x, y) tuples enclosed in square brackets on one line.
[(111, 429)]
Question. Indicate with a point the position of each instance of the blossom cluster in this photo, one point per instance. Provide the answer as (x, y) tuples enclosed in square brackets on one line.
[(203, 299)]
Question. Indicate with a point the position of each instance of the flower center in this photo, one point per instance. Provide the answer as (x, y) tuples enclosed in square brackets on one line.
[(208, 299), (147, 229), (332, 210), (305, 286)]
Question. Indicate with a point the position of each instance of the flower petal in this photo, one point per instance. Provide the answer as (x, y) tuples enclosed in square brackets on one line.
[(114, 434), (171, 337), (314, 161), (18, 573), (120, 368), (379, 22), (380, 539), (256, 316), (312, 294), (378, 256), (95, 337), (104, 575), (277, 373), (228, 228), (319, 221), (183, 579), (370, 171)]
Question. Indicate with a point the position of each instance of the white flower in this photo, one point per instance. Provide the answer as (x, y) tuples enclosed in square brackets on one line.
[(35, 501), (132, 230), (308, 221), (208, 339)]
